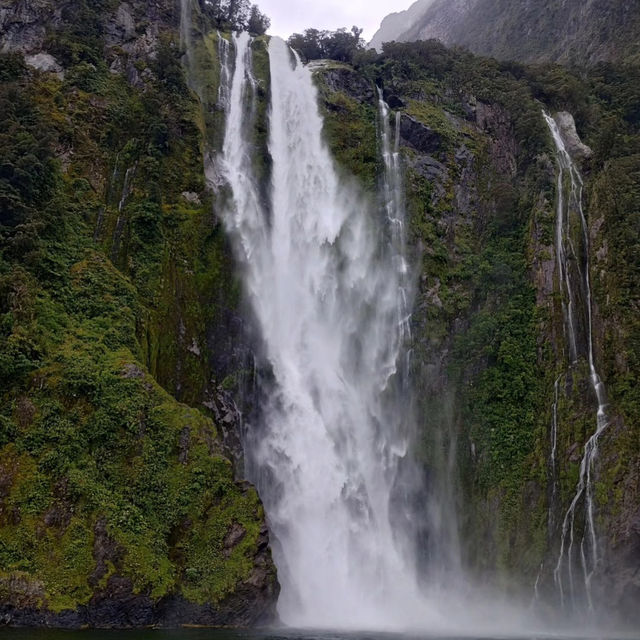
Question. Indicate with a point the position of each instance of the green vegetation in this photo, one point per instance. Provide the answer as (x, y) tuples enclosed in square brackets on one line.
[(113, 275), (235, 15), (479, 313), (118, 298), (350, 128), (341, 45)]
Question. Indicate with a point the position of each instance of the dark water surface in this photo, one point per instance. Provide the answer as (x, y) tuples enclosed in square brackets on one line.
[(289, 634)]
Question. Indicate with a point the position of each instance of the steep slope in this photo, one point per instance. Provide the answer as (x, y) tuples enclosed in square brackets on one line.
[(488, 334), (396, 24), (121, 325), (119, 499), (573, 32)]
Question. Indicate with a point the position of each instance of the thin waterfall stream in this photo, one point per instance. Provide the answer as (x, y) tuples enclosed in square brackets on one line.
[(585, 549)]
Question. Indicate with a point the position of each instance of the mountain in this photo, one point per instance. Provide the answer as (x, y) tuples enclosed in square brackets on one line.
[(564, 31), (396, 24), (477, 217)]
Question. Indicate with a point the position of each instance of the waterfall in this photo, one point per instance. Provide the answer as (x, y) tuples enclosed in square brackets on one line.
[(186, 38), (570, 202), (393, 196), (553, 457), (439, 544), (224, 54), (327, 280)]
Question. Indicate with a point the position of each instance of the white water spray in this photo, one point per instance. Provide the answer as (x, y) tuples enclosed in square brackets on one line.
[(331, 303), (393, 195), (571, 201), (224, 88)]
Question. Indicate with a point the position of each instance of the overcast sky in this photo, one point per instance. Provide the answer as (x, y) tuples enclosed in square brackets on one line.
[(293, 16)]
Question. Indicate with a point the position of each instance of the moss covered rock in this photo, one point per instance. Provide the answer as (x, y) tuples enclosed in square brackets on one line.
[(120, 504)]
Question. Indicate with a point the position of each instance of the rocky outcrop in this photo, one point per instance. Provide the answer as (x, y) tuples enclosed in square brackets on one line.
[(348, 81), (117, 605), (43, 62), (419, 136), (24, 24), (568, 32), (129, 31), (576, 148)]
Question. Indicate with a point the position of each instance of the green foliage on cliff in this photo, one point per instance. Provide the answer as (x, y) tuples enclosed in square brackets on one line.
[(114, 274), (478, 307), (341, 45)]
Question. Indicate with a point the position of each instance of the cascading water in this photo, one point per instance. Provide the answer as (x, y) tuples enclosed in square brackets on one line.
[(224, 54), (553, 457), (585, 551), (393, 196), (330, 298), (186, 39)]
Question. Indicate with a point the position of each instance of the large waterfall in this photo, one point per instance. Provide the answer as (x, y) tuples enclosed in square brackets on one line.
[(578, 557), (327, 283)]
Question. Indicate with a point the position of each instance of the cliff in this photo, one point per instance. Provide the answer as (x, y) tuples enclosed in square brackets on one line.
[(574, 32), (488, 335), (124, 341), (120, 503)]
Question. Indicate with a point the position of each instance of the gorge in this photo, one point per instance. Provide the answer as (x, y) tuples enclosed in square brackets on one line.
[(398, 296)]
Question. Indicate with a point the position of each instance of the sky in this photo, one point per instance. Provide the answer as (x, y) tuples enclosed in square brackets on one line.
[(294, 16)]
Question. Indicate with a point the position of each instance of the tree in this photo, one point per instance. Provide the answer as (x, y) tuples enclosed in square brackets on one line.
[(339, 45), (309, 45), (343, 45), (236, 15), (258, 23)]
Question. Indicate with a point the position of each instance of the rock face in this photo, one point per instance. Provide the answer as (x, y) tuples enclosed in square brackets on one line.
[(348, 81), (23, 24), (419, 136), (553, 30), (131, 30), (117, 605), (122, 502), (488, 337), (396, 24), (576, 148), (43, 62)]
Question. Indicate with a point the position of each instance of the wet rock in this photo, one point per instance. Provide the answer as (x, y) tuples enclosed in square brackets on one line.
[(429, 168), (191, 197), (194, 348), (496, 122), (395, 102), (419, 136), (228, 420), (183, 445), (58, 516), (43, 62), (132, 371), (234, 536), (105, 549), (576, 148), (348, 81)]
